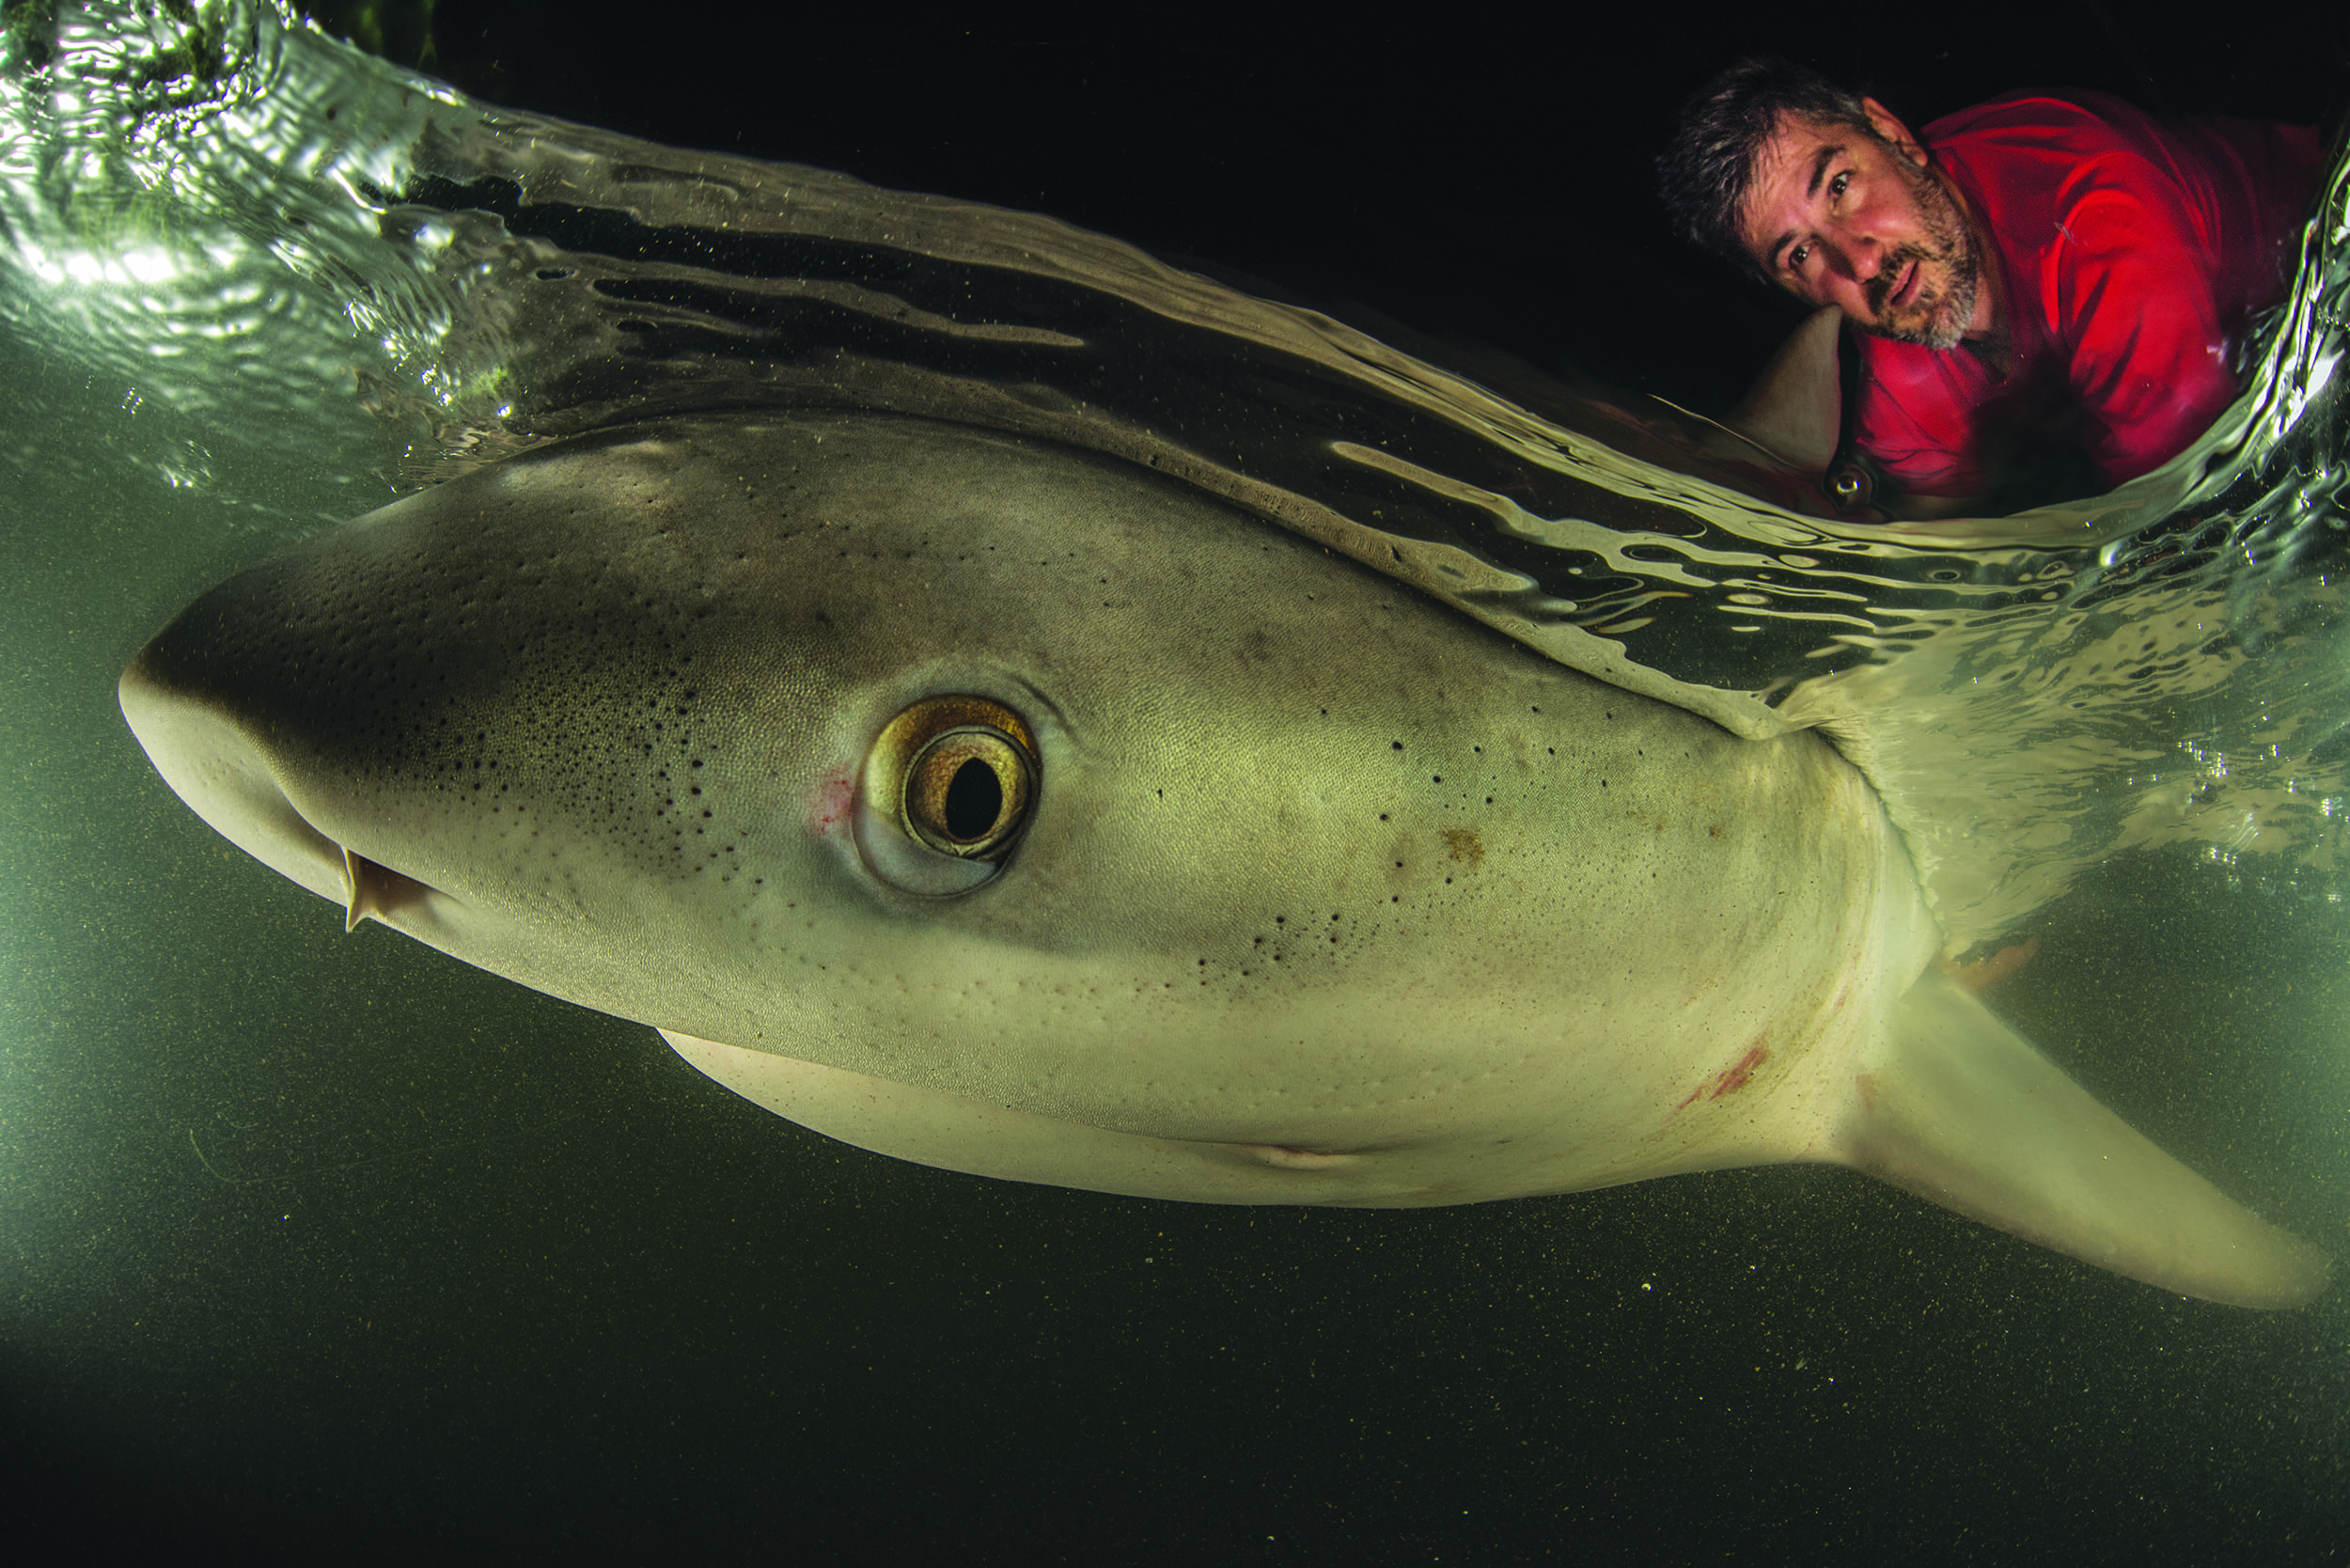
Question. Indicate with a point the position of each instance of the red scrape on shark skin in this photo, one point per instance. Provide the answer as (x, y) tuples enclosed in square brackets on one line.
[(829, 805), (1743, 1069), (1735, 1079)]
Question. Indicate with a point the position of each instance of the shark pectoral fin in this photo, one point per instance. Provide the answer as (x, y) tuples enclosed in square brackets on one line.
[(933, 1127), (1962, 1111)]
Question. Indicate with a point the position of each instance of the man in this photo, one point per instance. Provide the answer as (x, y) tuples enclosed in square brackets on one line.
[(2051, 290)]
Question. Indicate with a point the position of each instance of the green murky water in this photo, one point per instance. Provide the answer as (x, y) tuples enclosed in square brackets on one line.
[(334, 1230)]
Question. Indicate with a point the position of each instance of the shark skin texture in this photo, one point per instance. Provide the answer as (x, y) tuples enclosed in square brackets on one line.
[(1016, 811)]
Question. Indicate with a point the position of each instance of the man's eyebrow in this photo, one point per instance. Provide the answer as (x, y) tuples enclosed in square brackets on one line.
[(1819, 168), (1820, 162)]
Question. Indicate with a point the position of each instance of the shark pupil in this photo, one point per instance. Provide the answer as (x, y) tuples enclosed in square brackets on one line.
[(975, 799)]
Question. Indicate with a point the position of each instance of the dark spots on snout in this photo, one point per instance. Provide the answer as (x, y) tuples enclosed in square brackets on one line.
[(426, 658)]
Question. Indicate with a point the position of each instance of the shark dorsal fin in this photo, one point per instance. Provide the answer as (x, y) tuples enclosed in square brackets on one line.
[(1796, 407)]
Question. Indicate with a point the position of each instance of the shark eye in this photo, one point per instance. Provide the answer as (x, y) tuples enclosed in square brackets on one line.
[(949, 786)]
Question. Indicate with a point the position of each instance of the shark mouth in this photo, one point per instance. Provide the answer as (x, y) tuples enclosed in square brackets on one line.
[(377, 893), (217, 763)]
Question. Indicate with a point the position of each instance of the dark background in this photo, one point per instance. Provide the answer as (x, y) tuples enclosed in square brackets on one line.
[(1461, 176), (606, 1312)]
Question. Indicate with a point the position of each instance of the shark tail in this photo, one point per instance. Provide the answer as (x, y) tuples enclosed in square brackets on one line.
[(1962, 1112)]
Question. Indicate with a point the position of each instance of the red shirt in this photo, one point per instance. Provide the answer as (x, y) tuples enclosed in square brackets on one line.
[(2134, 251)]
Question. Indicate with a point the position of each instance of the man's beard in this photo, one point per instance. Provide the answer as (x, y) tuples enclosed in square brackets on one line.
[(1939, 317)]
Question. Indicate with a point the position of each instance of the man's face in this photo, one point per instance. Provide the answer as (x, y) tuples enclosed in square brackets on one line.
[(1837, 216)]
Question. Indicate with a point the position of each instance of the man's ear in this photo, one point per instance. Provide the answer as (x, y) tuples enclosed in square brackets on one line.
[(1889, 126)]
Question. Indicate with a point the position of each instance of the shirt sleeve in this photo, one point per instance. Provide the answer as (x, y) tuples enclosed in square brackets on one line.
[(2131, 300)]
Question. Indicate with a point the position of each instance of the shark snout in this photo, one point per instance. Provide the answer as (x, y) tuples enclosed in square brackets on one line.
[(218, 762)]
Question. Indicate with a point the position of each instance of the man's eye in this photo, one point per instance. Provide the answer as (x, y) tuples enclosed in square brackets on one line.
[(1838, 187), (1796, 258)]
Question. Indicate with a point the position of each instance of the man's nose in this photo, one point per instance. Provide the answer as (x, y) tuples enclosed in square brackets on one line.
[(1862, 254)]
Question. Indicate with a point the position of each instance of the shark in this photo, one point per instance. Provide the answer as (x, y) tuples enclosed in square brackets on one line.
[(1019, 810)]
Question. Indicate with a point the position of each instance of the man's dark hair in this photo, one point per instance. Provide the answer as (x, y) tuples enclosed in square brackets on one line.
[(1708, 168)]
